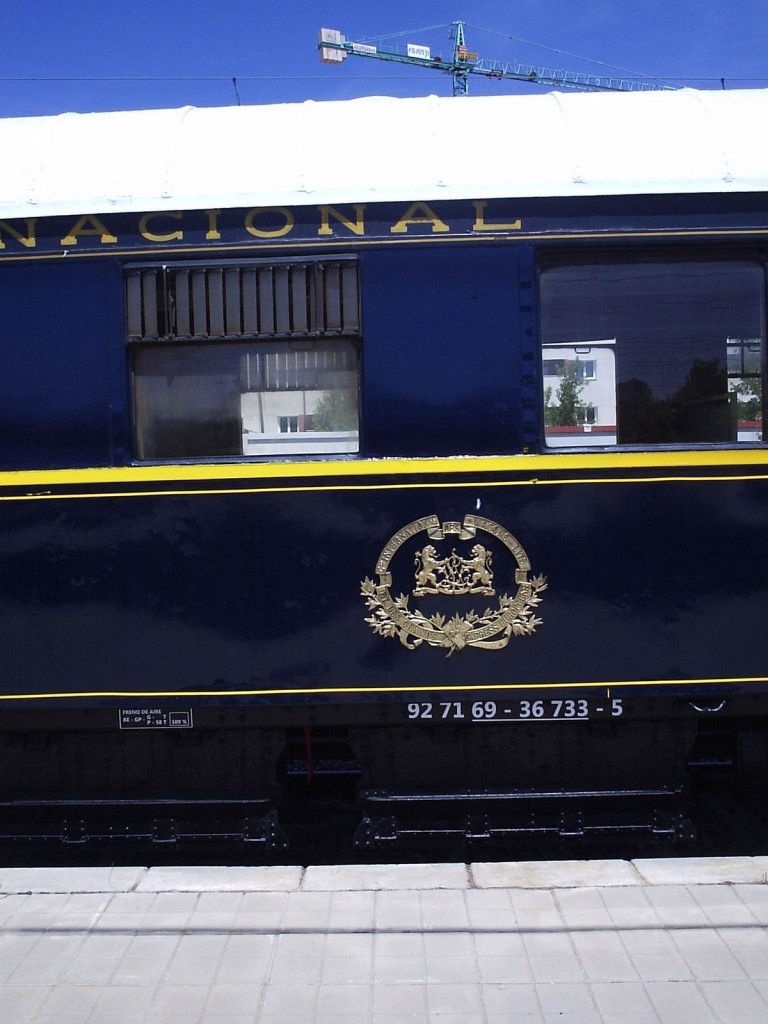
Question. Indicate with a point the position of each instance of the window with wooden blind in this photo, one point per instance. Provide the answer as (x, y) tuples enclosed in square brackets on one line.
[(250, 358)]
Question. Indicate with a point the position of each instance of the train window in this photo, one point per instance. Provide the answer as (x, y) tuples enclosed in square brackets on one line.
[(244, 359), (653, 352)]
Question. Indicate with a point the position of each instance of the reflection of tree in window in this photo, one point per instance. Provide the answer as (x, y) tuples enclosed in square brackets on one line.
[(566, 410), (336, 410), (676, 327)]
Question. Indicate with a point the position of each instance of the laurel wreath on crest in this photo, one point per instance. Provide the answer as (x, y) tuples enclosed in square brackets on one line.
[(493, 629)]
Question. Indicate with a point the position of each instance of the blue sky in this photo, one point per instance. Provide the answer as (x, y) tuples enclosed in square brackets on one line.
[(86, 55)]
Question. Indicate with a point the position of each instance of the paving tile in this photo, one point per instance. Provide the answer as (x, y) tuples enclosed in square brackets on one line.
[(241, 970), (399, 999), (399, 969), (72, 999), (565, 999), (715, 895), (399, 920), (502, 970), (129, 902), (315, 905), (203, 946), (386, 876), (698, 940), (263, 902), (669, 895), (89, 970), (598, 941), (720, 966), (532, 920), (289, 999), (348, 945), (678, 1001), (753, 894), (623, 896), (36, 972), (554, 874), (187, 1000), (350, 917), (54, 1017), (736, 1002), (399, 945), (215, 879), (288, 970), (729, 915), (608, 967), (637, 918), (702, 870), (289, 1017), (190, 971), (126, 1017), (618, 998), (523, 1018), (233, 999), (139, 971), (513, 1000), (586, 920), (349, 970), (556, 969), (499, 945), (120, 1000), (439, 1017), (300, 945), (450, 969), (21, 1001), (548, 944), (421, 1017), (585, 1017), (682, 917), (453, 998), (586, 898), (451, 944), (152, 945), (70, 880), (661, 966), (17, 944), (345, 1000)]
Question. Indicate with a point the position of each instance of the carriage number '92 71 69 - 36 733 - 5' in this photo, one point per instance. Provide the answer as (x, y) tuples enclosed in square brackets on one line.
[(548, 710)]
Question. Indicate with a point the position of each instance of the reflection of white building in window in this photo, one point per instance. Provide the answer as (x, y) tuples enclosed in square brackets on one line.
[(596, 409), (745, 382), (280, 423)]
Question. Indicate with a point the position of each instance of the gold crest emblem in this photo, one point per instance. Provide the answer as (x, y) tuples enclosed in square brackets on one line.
[(454, 574)]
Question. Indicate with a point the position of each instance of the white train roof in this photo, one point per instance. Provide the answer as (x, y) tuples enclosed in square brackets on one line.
[(381, 149)]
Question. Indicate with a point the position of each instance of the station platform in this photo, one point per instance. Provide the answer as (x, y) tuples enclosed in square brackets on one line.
[(660, 941)]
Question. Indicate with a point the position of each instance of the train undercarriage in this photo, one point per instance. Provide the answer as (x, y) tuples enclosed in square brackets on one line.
[(282, 790)]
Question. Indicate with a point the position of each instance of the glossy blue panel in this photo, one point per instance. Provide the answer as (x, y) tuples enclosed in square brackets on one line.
[(441, 351), (60, 335), (235, 591)]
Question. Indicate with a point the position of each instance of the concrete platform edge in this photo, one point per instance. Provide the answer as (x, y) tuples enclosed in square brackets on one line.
[(383, 877)]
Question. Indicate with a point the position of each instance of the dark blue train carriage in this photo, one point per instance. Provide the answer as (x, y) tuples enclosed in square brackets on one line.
[(414, 445)]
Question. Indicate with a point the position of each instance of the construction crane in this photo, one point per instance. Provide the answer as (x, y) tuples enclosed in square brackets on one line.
[(335, 48)]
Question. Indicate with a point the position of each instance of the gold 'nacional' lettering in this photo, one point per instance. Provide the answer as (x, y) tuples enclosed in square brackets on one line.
[(213, 234), (277, 232), (96, 228), (482, 225), (27, 240), (355, 226), (151, 236), (412, 216)]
